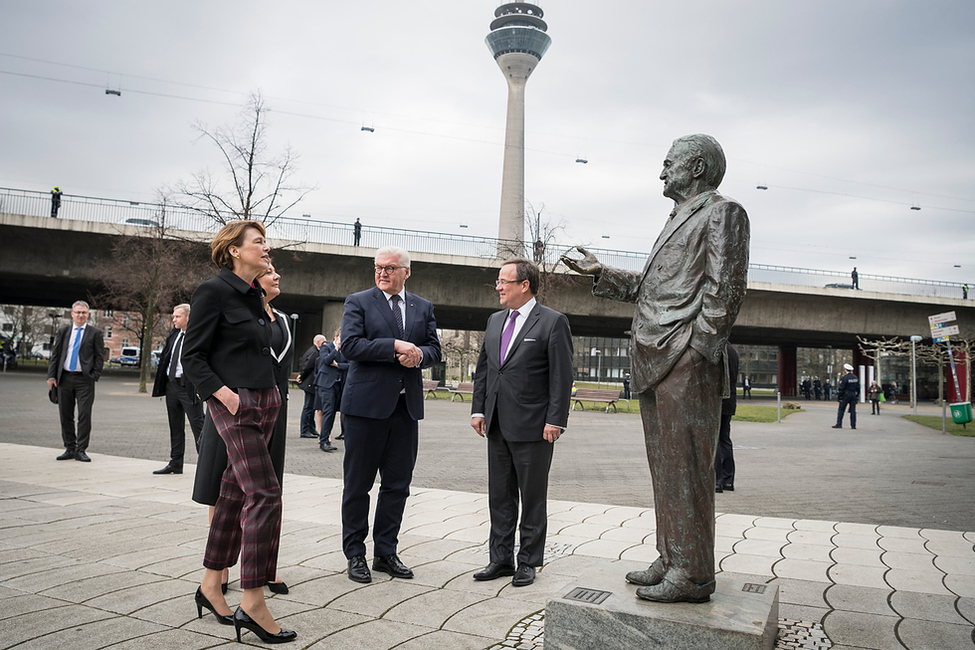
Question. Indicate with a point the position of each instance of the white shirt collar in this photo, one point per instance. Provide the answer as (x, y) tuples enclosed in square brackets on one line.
[(525, 309)]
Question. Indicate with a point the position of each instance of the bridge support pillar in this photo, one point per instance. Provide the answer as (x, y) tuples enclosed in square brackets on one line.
[(788, 381), (332, 318)]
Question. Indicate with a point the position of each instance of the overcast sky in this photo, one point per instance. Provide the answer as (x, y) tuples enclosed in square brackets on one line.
[(851, 112)]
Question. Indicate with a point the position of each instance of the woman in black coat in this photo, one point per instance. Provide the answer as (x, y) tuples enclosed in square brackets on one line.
[(227, 356), (213, 452)]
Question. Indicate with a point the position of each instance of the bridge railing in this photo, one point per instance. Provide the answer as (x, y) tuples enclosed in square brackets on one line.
[(302, 229)]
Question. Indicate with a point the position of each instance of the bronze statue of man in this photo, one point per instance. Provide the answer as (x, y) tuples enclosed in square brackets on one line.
[(687, 299)]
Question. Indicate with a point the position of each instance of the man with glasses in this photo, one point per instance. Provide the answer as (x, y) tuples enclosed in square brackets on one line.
[(522, 390), (388, 335), (75, 365)]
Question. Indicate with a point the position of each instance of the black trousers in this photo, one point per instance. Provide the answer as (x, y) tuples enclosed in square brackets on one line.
[(518, 469), (724, 458), (852, 402), (75, 388), (180, 406), (386, 446)]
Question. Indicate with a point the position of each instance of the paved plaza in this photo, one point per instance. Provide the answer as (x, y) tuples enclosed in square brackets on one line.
[(866, 533)]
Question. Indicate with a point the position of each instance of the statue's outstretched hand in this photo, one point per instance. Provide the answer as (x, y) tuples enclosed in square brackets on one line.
[(588, 265)]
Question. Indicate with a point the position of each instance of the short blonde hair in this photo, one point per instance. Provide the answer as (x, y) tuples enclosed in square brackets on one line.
[(232, 234), (183, 307)]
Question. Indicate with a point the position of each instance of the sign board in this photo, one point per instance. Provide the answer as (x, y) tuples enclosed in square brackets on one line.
[(941, 330), (946, 317)]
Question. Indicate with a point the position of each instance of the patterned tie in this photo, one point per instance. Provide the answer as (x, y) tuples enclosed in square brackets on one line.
[(397, 314), (177, 350), (73, 365), (506, 336)]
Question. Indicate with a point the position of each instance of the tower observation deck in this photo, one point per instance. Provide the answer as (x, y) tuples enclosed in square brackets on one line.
[(518, 41)]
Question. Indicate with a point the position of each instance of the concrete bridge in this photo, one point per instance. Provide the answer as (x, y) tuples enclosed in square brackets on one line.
[(48, 261)]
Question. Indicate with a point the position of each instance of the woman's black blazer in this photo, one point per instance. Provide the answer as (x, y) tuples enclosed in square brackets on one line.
[(228, 338)]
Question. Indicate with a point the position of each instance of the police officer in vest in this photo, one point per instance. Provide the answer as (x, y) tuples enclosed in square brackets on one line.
[(848, 392)]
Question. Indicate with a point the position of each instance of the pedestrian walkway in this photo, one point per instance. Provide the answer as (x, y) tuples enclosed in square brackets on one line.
[(106, 555)]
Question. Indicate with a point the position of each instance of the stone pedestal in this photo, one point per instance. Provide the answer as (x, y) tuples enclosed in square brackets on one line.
[(600, 611)]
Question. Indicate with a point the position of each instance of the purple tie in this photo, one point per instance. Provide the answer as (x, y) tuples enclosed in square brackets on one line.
[(509, 331)]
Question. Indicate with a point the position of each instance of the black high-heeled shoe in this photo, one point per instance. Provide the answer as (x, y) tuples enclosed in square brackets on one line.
[(223, 588), (201, 602), (278, 587), (241, 619)]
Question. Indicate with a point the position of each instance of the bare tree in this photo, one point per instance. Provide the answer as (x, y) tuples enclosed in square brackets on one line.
[(879, 348), (543, 234), (937, 354), (262, 183), (147, 276), (27, 326), (460, 350)]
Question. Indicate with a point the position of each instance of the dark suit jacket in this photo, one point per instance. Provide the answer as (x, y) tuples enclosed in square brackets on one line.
[(534, 385), (327, 375), (690, 290), (306, 369), (91, 353), (228, 339), (162, 370), (375, 378)]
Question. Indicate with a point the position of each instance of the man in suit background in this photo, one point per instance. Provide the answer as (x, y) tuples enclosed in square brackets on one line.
[(522, 390), (388, 335), (329, 372), (687, 299), (75, 365), (182, 402), (306, 381)]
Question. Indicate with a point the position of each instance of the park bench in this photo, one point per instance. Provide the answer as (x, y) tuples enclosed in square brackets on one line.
[(463, 388), (293, 380), (430, 388), (608, 395)]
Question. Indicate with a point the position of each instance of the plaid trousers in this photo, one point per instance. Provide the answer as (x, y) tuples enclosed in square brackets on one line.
[(247, 515)]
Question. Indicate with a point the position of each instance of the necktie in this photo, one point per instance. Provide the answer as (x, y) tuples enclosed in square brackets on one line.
[(73, 365), (397, 314), (509, 332), (177, 350)]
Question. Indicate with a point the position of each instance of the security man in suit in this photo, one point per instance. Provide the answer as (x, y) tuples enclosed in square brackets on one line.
[(306, 381), (388, 335), (182, 402), (687, 299), (75, 365), (848, 392), (329, 371), (522, 393)]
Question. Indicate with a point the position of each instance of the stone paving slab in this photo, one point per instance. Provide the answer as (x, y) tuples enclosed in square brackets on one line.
[(869, 586)]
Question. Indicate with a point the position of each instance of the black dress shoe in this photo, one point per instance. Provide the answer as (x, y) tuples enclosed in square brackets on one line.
[(729, 488), (718, 489), (242, 620), (524, 576), (82, 456), (341, 436), (201, 602), (309, 435), (67, 455), (837, 426), (495, 570), (326, 447), (169, 469), (359, 570), (278, 587), (391, 564)]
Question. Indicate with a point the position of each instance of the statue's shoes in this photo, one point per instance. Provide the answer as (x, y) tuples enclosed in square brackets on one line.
[(652, 576), (670, 592)]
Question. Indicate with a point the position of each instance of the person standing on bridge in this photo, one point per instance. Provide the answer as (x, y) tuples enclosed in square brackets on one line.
[(55, 201), (356, 231), (856, 278), (848, 392)]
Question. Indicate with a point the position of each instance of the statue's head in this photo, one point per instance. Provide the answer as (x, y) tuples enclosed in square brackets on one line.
[(694, 164)]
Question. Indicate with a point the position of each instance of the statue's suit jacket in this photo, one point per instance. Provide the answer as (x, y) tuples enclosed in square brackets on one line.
[(534, 385), (689, 291)]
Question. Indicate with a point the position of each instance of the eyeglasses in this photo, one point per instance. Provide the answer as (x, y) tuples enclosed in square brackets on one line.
[(387, 270), (500, 282)]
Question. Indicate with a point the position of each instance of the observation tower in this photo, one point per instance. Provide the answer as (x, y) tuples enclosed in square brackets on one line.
[(517, 41)]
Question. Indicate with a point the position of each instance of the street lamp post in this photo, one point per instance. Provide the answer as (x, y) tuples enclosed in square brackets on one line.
[(294, 328), (914, 340), (599, 365)]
